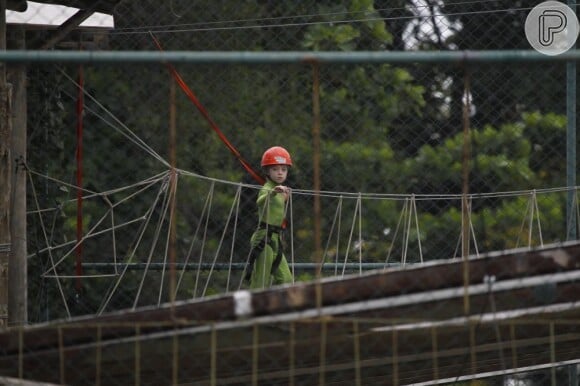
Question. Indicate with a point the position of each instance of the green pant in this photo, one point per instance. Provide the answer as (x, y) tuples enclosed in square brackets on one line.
[(262, 274)]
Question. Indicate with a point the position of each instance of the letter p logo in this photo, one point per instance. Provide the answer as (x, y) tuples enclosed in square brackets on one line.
[(552, 27), (552, 22)]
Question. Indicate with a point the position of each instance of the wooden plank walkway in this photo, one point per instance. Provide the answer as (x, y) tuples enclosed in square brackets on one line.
[(519, 309)]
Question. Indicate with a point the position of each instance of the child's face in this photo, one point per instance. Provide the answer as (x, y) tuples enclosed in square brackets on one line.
[(278, 173)]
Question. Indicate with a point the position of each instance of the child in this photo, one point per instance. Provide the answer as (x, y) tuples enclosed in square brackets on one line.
[(267, 260)]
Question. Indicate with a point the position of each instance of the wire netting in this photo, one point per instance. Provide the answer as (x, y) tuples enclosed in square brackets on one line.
[(134, 199)]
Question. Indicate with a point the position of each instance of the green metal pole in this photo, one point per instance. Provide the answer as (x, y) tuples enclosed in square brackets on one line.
[(571, 142), (277, 57), (571, 162)]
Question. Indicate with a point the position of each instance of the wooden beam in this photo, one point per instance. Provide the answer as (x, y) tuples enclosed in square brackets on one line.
[(73, 22)]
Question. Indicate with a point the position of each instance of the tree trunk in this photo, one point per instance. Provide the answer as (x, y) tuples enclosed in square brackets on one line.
[(5, 174), (17, 264)]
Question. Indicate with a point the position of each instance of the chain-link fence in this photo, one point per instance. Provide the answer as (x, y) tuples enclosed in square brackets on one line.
[(134, 198)]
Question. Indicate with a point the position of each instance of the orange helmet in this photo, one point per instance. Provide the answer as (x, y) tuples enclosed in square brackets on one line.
[(276, 156)]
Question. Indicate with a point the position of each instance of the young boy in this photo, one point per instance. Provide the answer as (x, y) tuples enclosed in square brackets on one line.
[(267, 261)]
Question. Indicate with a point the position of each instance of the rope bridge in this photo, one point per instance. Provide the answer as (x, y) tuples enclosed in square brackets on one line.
[(145, 237), (128, 245)]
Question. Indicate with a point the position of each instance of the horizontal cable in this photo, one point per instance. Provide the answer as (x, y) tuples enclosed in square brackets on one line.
[(233, 266)]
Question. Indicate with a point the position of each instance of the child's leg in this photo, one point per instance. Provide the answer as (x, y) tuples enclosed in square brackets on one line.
[(262, 267), (283, 274)]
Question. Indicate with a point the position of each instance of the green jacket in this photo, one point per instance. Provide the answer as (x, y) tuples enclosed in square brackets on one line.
[(271, 205)]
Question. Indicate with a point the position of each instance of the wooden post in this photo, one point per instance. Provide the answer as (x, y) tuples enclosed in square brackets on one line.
[(316, 166), (5, 174), (17, 263)]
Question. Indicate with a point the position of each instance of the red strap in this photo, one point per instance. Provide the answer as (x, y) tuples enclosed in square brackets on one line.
[(205, 114)]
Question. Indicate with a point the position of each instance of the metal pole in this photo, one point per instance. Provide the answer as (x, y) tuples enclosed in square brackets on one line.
[(465, 199), (571, 143), (316, 163), (173, 161), (284, 57), (571, 161)]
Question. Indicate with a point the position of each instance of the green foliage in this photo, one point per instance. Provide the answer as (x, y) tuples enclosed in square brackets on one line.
[(365, 163), (338, 35), (385, 129)]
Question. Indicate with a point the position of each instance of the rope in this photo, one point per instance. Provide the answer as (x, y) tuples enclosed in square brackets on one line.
[(401, 217), (291, 212), (120, 126), (237, 200), (218, 249), (335, 219), (164, 210), (417, 229), (89, 234), (171, 198), (74, 248), (407, 229), (193, 98), (356, 211), (132, 252), (210, 197), (409, 213), (390, 196), (187, 257), (471, 229), (43, 228), (538, 221)]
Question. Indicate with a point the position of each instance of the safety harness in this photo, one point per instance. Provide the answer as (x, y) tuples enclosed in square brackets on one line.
[(266, 240)]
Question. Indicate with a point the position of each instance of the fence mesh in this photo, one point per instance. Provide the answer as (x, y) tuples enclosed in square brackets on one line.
[(134, 200)]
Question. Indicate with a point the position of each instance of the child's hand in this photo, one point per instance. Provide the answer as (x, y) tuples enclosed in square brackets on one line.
[(284, 190)]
